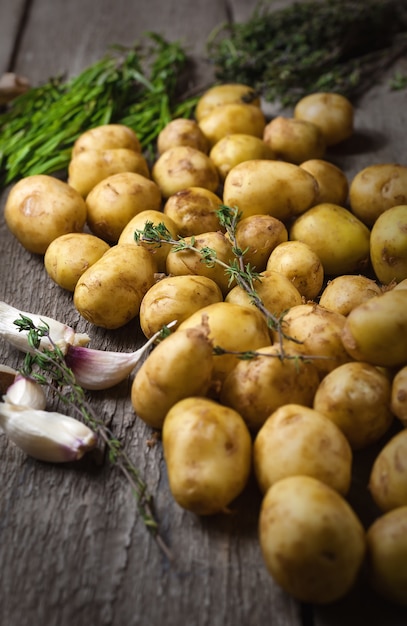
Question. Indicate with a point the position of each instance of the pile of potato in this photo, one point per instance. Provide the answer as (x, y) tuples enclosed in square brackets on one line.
[(332, 258)]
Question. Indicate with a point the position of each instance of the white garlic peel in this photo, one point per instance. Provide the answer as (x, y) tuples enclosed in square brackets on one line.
[(27, 393), (45, 435)]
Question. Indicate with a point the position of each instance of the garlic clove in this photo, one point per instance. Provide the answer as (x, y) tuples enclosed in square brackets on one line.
[(45, 435), (7, 377), (61, 334), (26, 392)]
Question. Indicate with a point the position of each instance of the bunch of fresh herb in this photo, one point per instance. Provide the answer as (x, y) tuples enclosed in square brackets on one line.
[(139, 87), (331, 45)]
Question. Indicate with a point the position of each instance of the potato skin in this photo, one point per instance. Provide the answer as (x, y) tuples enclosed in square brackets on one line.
[(109, 293), (297, 440), (225, 94), (181, 167), (332, 182), (41, 208), (388, 477), (193, 211), (232, 118), (180, 366), (236, 148), (207, 449), (300, 265), (107, 137), (388, 245), (399, 395), (344, 293), (331, 112), (182, 132), (259, 235), (69, 256), (294, 140), (312, 542)]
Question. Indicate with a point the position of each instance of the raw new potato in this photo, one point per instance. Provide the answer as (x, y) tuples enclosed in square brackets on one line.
[(181, 167), (228, 93), (207, 449), (399, 395), (236, 148), (109, 293), (294, 140), (182, 132), (344, 293), (312, 542), (194, 211), (258, 235), (297, 440), (69, 256), (332, 181), (388, 245), (388, 477), (41, 208), (107, 137), (300, 265), (180, 366), (331, 112), (229, 119)]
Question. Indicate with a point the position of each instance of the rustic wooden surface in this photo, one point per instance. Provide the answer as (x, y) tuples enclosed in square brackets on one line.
[(73, 549)]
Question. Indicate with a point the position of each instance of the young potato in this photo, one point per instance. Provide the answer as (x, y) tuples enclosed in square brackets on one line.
[(236, 148), (90, 167), (356, 397), (341, 240), (294, 140), (41, 208), (376, 331), (182, 132), (300, 265), (107, 137), (262, 186), (182, 262), (318, 332), (176, 298), (388, 245), (387, 555), (276, 291), (313, 543), (194, 211), (398, 402), (232, 118), (236, 93), (377, 188), (297, 440), (181, 167), (69, 256), (344, 293), (331, 112), (113, 202), (388, 477), (258, 235), (138, 222), (180, 366), (109, 293), (234, 328), (207, 449), (332, 181), (259, 386)]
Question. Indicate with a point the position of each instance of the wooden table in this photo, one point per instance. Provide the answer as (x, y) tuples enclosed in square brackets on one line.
[(73, 550)]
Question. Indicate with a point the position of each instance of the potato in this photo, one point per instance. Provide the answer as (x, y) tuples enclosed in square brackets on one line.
[(401, 285), (294, 140), (236, 148), (319, 333), (259, 386), (138, 222), (388, 245), (176, 298), (300, 264), (69, 256), (275, 290), (312, 542), (194, 211), (232, 118), (331, 112), (344, 293), (227, 93), (268, 187), (376, 331), (113, 202), (332, 182), (388, 477), (377, 188), (207, 449), (297, 440), (180, 366), (107, 137), (398, 403), (181, 132), (356, 397), (258, 235), (89, 167), (109, 293), (182, 262), (181, 167), (341, 241), (387, 555), (41, 208), (234, 328)]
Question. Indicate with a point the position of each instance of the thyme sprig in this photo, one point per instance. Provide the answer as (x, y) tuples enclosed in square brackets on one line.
[(47, 366)]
